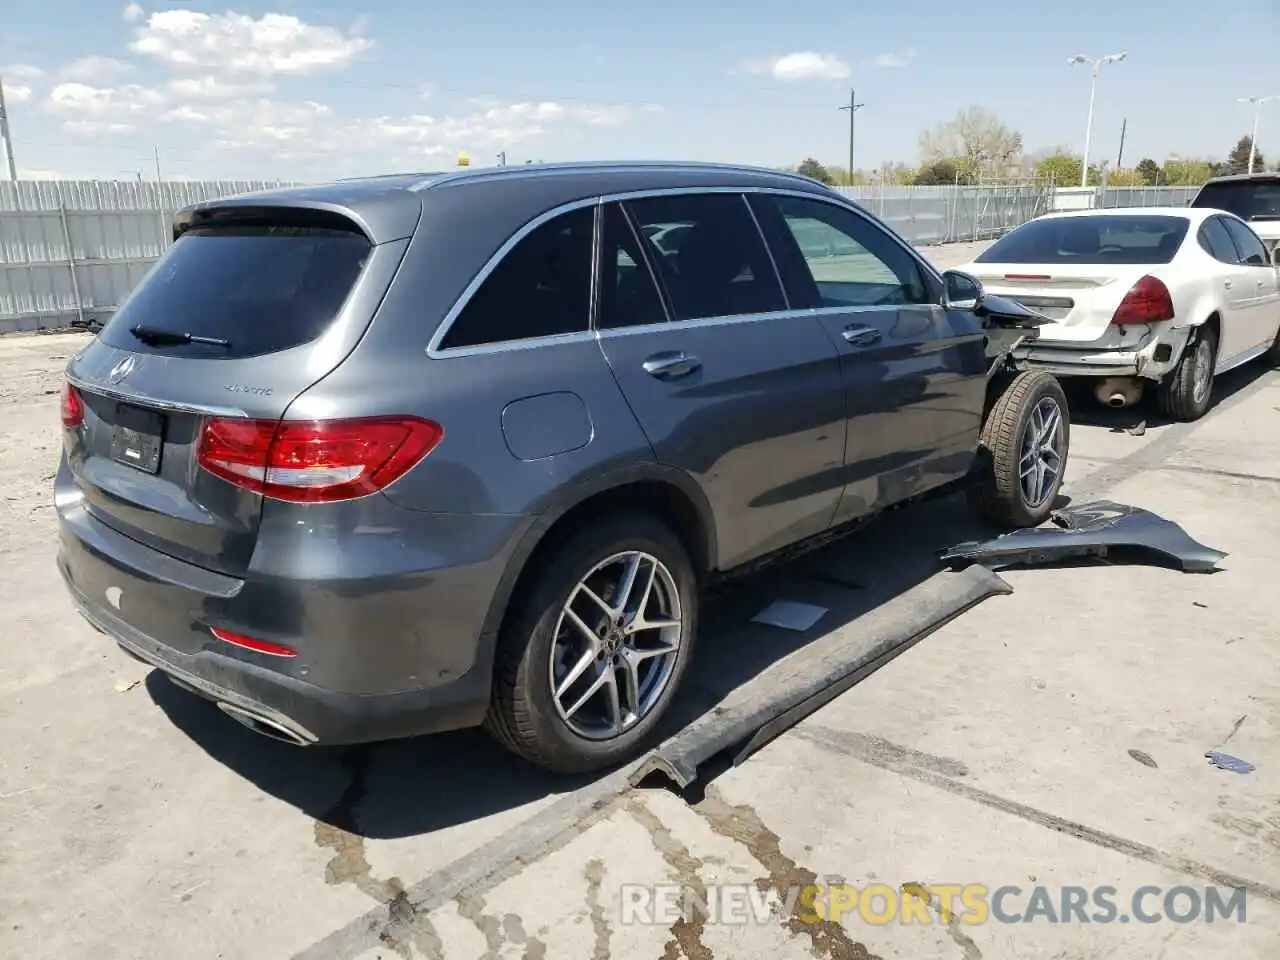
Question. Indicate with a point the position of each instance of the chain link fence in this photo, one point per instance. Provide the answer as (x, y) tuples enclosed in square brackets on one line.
[(70, 251)]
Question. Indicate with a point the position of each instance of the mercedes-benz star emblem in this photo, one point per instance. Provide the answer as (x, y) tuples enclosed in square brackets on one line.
[(122, 369)]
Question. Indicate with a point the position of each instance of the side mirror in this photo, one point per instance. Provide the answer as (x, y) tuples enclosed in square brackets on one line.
[(1275, 255), (964, 292)]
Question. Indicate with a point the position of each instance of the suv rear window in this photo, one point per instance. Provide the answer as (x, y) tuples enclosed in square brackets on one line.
[(261, 287), (1247, 199), (1104, 239)]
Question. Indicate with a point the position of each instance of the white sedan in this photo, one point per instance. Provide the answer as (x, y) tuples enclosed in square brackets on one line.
[(1166, 297)]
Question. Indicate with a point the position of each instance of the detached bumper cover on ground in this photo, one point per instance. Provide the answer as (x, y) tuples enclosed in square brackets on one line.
[(1090, 530)]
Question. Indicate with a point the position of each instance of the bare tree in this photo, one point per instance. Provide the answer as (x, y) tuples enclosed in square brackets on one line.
[(978, 143)]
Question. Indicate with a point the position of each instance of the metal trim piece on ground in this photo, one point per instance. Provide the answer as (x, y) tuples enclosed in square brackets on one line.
[(786, 693)]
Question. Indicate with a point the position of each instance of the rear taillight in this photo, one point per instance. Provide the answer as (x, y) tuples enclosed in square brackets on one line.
[(72, 406), (1147, 301), (315, 461)]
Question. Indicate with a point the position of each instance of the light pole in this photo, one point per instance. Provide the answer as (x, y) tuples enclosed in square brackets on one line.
[(1257, 113), (1093, 90)]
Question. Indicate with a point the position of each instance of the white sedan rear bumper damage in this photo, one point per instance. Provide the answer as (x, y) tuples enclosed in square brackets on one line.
[(1153, 357)]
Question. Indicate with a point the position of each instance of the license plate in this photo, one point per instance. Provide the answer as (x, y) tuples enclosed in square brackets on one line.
[(138, 437)]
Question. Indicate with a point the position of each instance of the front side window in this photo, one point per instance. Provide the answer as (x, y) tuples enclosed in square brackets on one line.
[(708, 254), (847, 261), (541, 288), (1252, 252)]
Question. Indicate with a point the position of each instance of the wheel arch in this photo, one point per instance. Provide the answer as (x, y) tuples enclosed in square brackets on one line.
[(667, 493)]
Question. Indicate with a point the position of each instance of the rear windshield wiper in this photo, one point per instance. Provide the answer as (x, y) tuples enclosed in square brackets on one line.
[(160, 337)]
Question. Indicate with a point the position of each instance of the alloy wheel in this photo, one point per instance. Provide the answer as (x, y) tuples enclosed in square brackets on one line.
[(1040, 461), (615, 646)]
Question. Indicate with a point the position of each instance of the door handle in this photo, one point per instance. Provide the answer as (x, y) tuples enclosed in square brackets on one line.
[(860, 335), (1227, 284), (671, 365)]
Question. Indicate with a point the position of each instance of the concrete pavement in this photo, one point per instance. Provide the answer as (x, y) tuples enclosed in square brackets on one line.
[(1052, 738)]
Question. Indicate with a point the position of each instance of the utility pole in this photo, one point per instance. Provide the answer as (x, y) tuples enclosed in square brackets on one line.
[(1124, 125), (156, 151), (7, 136), (853, 106)]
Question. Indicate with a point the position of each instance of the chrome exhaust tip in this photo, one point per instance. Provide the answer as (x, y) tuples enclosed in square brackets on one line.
[(264, 726)]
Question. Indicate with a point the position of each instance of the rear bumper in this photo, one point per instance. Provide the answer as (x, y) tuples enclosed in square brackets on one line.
[(1152, 358), (357, 678)]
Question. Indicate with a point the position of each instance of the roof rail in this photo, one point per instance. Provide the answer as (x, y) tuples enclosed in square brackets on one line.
[(578, 166)]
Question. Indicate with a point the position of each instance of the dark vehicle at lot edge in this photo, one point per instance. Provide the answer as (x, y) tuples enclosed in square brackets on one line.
[(1253, 197), (405, 454)]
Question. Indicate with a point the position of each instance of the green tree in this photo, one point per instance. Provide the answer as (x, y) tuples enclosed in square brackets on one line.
[(941, 172), (1187, 173), (1125, 178), (814, 170), (1149, 170), (1238, 158), (1063, 168)]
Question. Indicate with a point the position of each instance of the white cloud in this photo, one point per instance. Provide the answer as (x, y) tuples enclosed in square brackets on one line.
[(132, 13), (801, 65), (95, 69), (273, 44), (20, 71), (215, 93), (894, 59), (16, 94), (90, 109)]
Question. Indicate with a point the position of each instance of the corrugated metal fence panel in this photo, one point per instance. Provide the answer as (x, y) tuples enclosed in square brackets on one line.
[(1145, 196), (72, 250)]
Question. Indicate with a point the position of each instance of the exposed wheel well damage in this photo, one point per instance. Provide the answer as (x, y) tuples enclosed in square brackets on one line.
[(665, 501)]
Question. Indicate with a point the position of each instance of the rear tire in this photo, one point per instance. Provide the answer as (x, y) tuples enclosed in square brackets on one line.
[(1025, 437), (1272, 356), (1186, 391), (539, 643)]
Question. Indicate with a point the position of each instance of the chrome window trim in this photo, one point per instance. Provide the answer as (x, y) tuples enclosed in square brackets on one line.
[(142, 399), (434, 350)]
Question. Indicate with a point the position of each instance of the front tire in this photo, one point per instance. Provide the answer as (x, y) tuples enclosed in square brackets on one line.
[(1024, 441), (590, 658), (1185, 393)]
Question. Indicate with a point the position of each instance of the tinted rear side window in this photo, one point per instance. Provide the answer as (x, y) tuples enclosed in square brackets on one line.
[(1252, 251), (263, 288), (1217, 242), (709, 255), (1102, 240), (540, 288), (1247, 200)]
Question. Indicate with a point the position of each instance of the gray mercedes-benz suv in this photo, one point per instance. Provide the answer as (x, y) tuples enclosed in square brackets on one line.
[(414, 453)]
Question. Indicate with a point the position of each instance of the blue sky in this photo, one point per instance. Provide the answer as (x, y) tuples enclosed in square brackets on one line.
[(295, 89)]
